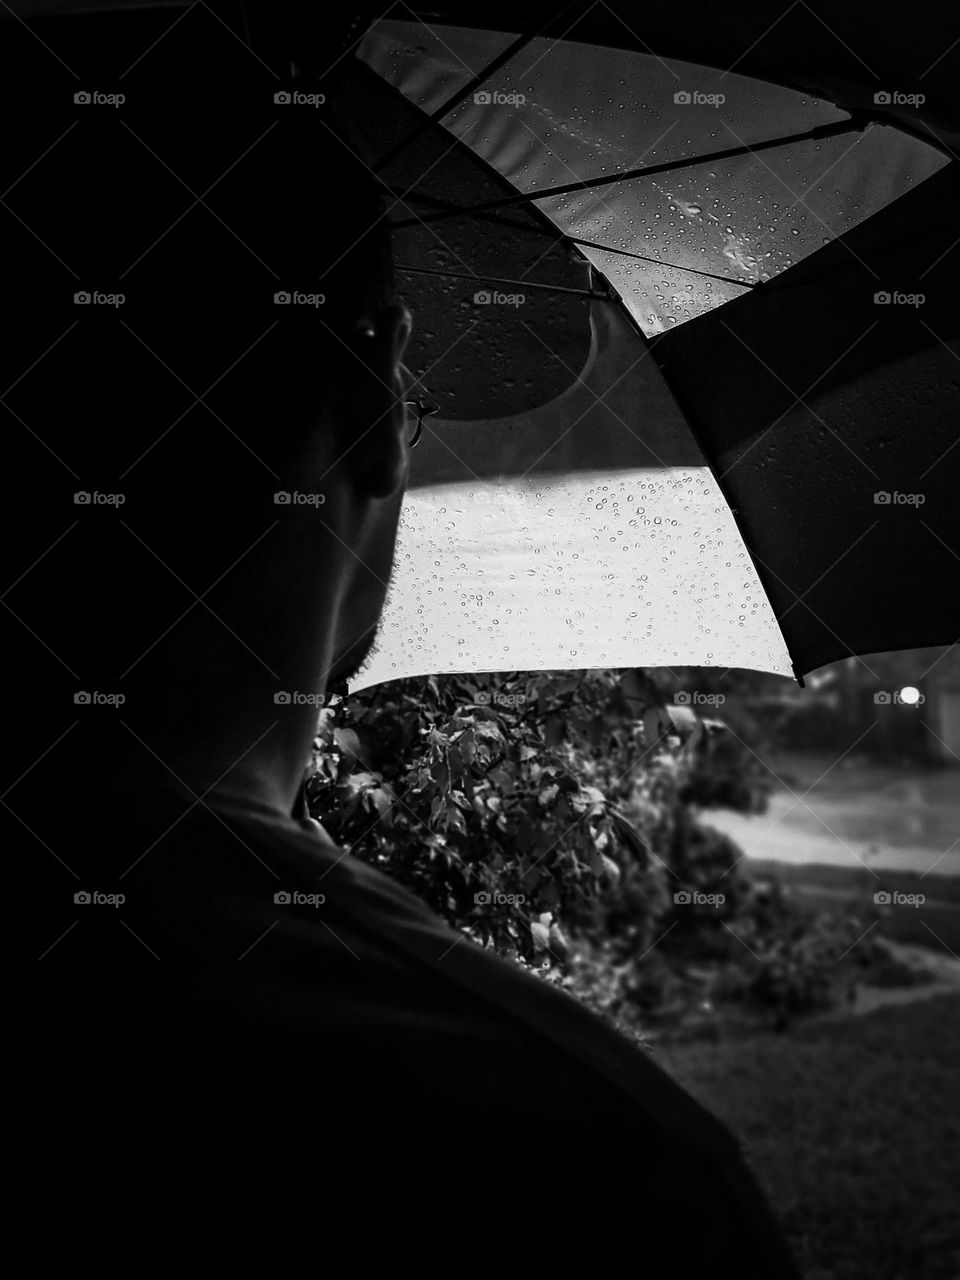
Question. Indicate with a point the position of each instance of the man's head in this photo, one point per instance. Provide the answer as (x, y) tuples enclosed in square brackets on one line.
[(229, 397)]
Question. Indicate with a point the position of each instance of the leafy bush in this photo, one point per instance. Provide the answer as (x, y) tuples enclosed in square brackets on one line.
[(500, 803), (553, 817)]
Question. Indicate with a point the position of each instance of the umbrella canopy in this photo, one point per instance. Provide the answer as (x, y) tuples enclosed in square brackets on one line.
[(737, 473)]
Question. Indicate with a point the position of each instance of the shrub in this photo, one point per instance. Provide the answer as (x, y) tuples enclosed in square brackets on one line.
[(545, 817), (497, 803)]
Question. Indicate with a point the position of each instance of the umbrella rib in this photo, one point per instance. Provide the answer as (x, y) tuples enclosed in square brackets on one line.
[(561, 237), (851, 125), (521, 284), (474, 83), (658, 262)]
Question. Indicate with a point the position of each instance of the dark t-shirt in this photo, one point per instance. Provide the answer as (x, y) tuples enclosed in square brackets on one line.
[(270, 1046)]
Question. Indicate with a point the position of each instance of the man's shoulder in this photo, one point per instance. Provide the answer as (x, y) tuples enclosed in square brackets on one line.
[(425, 983), (239, 927), (260, 968), (465, 1034)]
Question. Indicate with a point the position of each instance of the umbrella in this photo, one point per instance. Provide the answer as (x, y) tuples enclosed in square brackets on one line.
[(683, 328), (750, 465)]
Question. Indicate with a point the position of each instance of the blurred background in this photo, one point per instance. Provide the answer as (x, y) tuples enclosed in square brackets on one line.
[(755, 881)]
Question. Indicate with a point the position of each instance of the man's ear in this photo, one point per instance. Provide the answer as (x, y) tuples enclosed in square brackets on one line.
[(373, 408)]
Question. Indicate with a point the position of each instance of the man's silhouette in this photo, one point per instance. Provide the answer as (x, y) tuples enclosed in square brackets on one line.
[(231, 1040)]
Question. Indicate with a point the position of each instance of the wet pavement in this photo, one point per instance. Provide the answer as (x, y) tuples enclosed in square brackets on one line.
[(853, 813)]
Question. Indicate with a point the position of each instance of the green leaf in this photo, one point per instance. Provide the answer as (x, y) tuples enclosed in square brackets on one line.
[(484, 729), (682, 720), (653, 726), (611, 869), (501, 778), (354, 783), (379, 800), (540, 929), (347, 741), (467, 743), (566, 684), (553, 730), (326, 724)]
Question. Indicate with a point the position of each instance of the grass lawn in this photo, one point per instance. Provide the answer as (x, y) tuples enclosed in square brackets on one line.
[(854, 1129)]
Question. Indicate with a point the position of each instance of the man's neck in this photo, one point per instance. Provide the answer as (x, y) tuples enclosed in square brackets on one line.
[(259, 763), (255, 759)]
